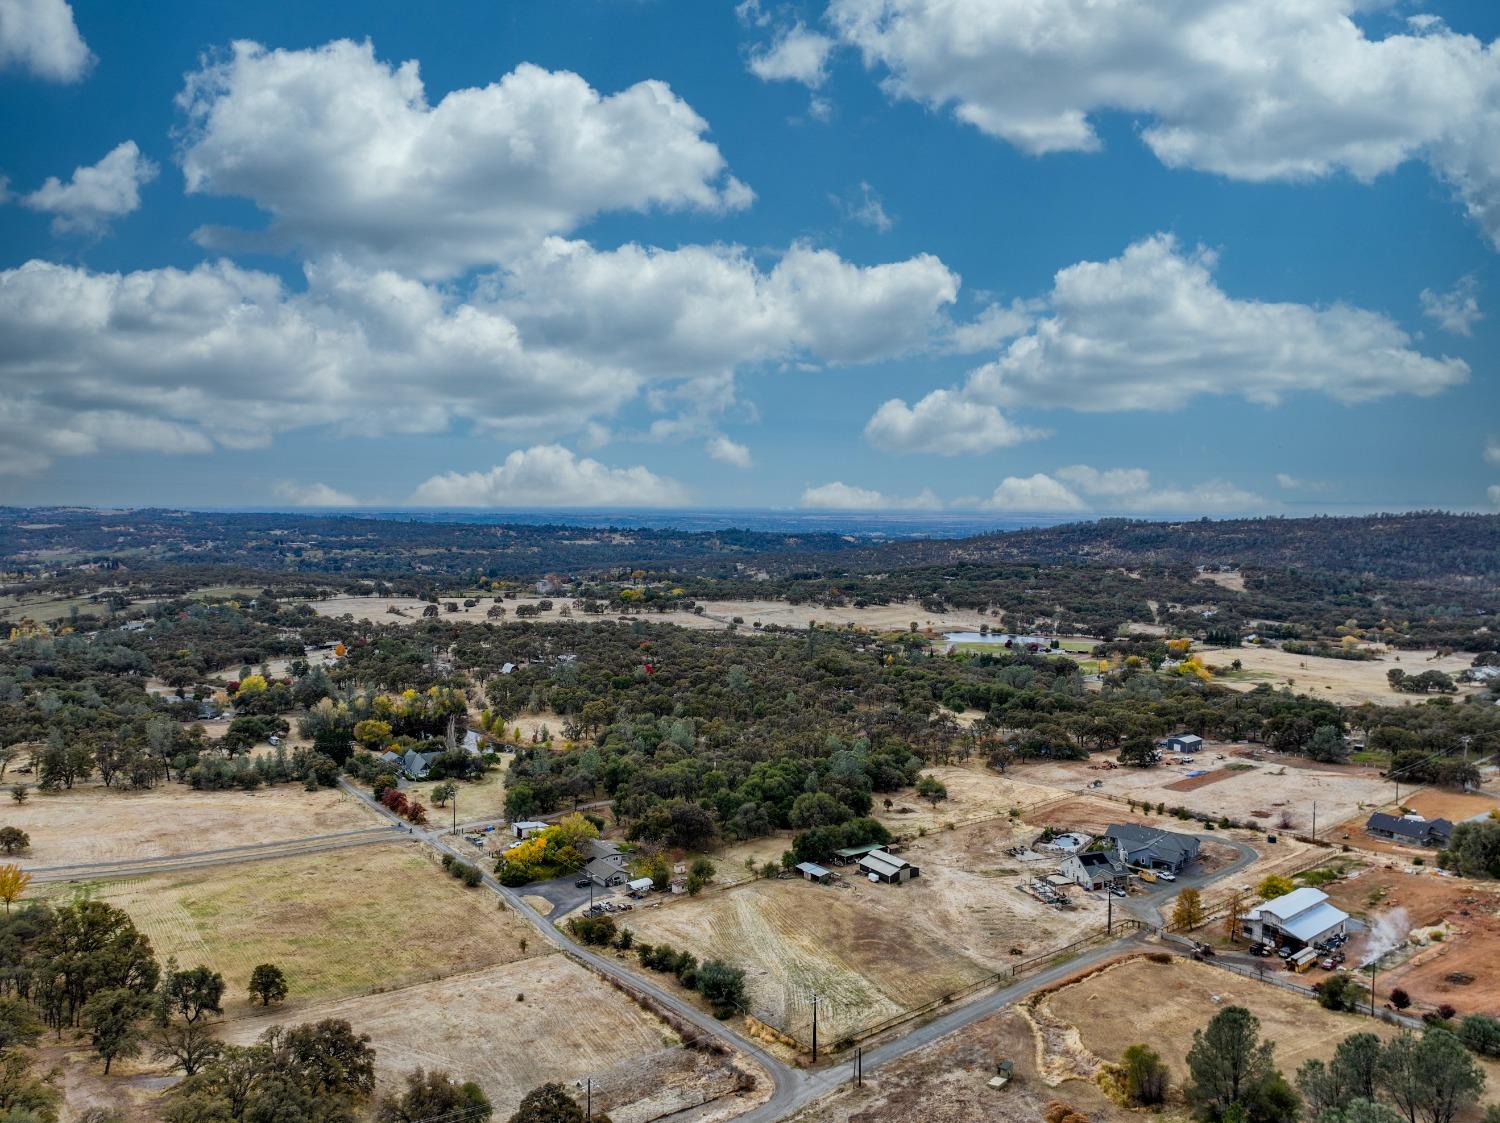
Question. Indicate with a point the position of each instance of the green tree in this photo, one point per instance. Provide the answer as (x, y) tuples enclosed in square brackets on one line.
[(1272, 886), (1481, 1033), (434, 1095), (1430, 1078), (723, 986), (932, 790), (1356, 1065), (551, 1103), (1145, 1075), (113, 1020), (1138, 752), (1358, 1111), (1474, 849), (268, 983), (190, 994), (187, 1045), (1228, 1063), (1187, 914)]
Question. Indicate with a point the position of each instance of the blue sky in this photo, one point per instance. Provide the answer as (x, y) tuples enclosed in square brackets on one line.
[(863, 253)]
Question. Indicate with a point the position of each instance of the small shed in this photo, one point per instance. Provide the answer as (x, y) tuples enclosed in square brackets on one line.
[(814, 872), (527, 828), (639, 887), (883, 866)]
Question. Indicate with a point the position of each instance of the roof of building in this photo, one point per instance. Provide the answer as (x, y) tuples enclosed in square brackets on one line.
[(1091, 858), (639, 883), (598, 867), (1167, 844), (812, 869), (1314, 922), (1292, 904), (857, 851), (528, 825), (1409, 828), (603, 848), (882, 862), (1185, 737)]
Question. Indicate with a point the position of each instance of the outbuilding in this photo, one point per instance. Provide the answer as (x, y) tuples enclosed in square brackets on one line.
[(527, 828), (849, 854), (880, 865), (814, 872), (606, 851), (639, 887), (1184, 743), (1296, 919)]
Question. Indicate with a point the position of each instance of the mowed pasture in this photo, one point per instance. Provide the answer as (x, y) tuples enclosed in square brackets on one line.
[(1348, 682), (1161, 1004), (92, 823), (338, 923), (1281, 789), (872, 952), (974, 793), (518, 1025)]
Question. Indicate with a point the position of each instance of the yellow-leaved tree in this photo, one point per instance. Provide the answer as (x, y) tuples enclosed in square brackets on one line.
[(14, 881)]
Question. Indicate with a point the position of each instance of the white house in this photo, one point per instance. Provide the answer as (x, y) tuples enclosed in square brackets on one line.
[(1299, 918), (1094, 869)]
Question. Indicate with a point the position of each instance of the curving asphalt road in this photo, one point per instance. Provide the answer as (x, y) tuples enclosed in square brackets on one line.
[(794, 1088)]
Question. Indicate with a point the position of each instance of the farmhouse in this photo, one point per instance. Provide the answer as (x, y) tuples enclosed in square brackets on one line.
[(882, 866), (606, 852), (1410, 829), (1153, 848), (814, 872), (1184, 743), (1299, 918), (526, 828), (1093, 869), (416, 764), (605, 874)]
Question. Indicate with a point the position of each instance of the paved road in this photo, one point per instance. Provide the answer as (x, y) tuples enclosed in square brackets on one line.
[(794, 1088), (197, 859)]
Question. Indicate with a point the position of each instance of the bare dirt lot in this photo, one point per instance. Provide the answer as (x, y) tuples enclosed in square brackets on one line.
[(338, 923), (945, 1082), (92, 823), (1269, 786), (974, 792), (875, 951), (1161, 1004), (519, 1025), (1439, 803), (479, 799), (1408, 899), (865, 959), (1346, 681)]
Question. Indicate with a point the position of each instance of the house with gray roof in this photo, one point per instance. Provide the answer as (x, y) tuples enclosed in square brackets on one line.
[(605, 874), (1153, 847), (1410, 829)]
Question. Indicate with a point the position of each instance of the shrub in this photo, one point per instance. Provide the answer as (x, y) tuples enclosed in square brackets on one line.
[(1400, 999), (1446, 1011)]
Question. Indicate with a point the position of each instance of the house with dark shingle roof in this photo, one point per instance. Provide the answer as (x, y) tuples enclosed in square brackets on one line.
[(1411, 830), (1152, 847)]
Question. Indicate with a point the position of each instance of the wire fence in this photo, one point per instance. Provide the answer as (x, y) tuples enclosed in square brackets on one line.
[(1011, 974)]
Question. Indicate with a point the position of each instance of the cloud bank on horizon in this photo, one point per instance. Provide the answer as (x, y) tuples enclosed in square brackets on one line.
[(550, 288)]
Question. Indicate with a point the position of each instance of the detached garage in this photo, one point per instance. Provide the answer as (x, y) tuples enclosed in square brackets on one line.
[(879, 865)]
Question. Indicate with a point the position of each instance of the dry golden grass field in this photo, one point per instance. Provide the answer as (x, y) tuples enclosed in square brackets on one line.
[(569, 1025), (92, 823), (1348, 682), (339, 923), (1162, 1004)]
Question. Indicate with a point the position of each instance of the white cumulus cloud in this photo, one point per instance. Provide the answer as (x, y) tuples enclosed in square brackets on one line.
[(725, 451), (1456, 310), (1118, 490), (795, 55), (347, 155), (1038, 494), (839, 496), (944, 422), (551, 476), (1151, 329), (1493, 491), (312, 495), (1492, 451), (96, 194), (1253, 90), (39, 36)]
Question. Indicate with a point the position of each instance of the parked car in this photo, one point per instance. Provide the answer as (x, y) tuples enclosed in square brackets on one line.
[(1166, 875), (582, 883)]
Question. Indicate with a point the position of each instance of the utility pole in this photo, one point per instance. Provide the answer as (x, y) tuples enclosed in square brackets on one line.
[(815, 1029), (455, 809), (859, 1066), (1315, 819), (589, 1095), (1109, 905)]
